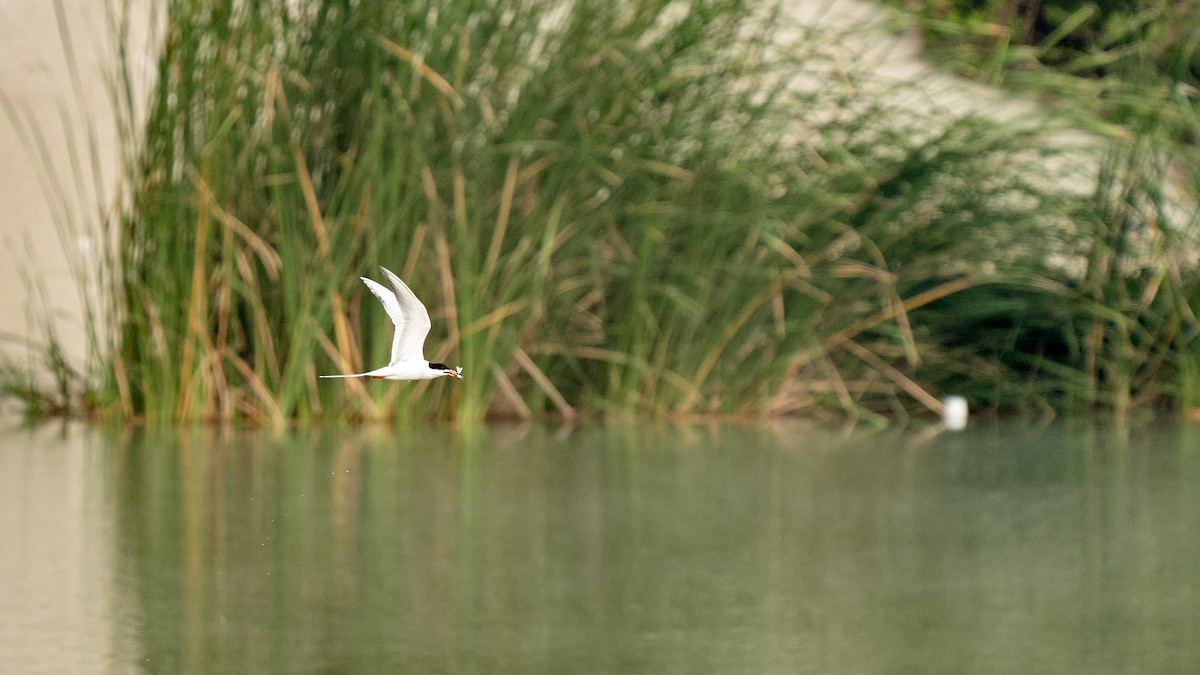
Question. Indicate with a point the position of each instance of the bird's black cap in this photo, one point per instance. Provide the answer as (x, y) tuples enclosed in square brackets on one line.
[(440, 366)]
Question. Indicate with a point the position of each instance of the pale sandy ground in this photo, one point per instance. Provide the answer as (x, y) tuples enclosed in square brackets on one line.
[(36, 80)]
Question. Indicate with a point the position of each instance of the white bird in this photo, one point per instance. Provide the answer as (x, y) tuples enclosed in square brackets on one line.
[(954, 413), (412, 325)]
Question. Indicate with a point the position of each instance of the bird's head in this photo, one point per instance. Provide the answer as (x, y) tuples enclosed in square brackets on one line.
[(443, 369)]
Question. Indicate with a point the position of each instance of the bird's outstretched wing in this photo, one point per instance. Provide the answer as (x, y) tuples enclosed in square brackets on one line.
[(407, 312)]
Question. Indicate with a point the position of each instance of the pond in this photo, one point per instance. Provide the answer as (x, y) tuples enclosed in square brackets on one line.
[(1071, 548)]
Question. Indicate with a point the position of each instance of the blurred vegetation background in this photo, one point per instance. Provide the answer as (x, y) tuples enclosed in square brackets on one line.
[(617, 210), (1113, 65)]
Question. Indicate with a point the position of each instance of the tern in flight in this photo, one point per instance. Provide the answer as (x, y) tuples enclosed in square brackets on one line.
[(412, 325)]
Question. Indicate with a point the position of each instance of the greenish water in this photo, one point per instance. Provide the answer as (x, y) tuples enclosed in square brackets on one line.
[(604, 550)]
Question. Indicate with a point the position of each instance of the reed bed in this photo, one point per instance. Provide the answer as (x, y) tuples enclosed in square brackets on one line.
[(609, 211), (1128, 72)]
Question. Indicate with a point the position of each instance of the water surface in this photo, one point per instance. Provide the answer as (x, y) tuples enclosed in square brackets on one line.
[(774, 549)]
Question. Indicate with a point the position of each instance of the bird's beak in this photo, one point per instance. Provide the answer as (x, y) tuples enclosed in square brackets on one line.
[(456, 373)]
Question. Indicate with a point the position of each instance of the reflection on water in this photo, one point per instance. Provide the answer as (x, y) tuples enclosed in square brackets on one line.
[(621, 549)]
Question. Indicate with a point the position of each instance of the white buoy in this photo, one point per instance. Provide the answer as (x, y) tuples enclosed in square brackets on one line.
[(954, 413)]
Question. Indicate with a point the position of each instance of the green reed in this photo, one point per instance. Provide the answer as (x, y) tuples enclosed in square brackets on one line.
[(608, 210), (1121, 334)]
